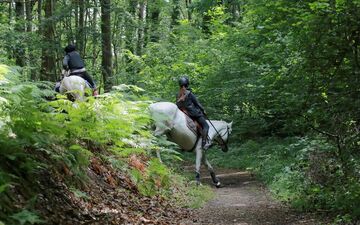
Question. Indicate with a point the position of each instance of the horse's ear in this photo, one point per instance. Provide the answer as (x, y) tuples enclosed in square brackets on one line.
[(230, 124)]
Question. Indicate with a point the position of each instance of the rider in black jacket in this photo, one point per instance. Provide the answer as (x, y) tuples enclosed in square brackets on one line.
[(187, 101), (73, 62)]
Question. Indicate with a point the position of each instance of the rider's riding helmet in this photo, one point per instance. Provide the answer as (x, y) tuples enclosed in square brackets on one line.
[(70, 48), (184, 81)]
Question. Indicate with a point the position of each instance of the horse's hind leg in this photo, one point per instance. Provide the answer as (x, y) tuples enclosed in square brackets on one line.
[(211, 171)]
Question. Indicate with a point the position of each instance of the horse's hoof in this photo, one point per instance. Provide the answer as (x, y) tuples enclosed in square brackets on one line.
[(218, 185), (198, 183)]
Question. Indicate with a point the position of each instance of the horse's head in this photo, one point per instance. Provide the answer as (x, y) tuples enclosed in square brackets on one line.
[(222, 138)]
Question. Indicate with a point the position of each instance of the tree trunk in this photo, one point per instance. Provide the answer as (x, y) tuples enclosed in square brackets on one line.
[(116, 41), (155, 22), (76, 18), (10, 11), (80, 31), (29, 16), (48, 62), (106, 60), (39, 16), (20, 28), (133, 32), (142, 25), (176, 13), (233, 8), (189, 11), (94, 34), (29, 19)]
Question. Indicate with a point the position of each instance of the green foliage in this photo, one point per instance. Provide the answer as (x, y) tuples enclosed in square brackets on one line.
[(79, 194), (276, 68), (197, 196), (69, 134), (26, 216), (156, 178), (304, 172), (284, 69), (185, 192)]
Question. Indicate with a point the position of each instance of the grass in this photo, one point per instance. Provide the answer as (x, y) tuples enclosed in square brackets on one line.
[(199, 195)]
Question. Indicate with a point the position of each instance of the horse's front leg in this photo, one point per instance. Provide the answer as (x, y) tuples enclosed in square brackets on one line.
[(198, 163), (211, 171)]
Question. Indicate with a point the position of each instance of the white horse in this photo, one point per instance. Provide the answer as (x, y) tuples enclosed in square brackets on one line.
[(74, 86), (171, 121)]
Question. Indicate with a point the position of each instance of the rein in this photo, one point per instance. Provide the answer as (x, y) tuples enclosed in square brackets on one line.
[(222, 142), (221, 137)]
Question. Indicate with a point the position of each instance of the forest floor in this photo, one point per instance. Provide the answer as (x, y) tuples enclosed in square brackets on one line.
[(107, 196), (244, 201)]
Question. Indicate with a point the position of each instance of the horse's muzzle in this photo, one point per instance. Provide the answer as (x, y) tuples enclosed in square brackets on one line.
[(224, 148)]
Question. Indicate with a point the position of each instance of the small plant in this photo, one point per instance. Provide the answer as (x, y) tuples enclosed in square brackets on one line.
[(197, 196), (23, 217)]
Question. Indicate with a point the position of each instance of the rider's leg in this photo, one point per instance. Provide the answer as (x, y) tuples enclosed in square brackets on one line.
[(57, 87), (88, 78), (204, 132)]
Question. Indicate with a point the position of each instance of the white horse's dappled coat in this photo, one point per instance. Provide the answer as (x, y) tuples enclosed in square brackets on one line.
[(75, 86), (171, 121)]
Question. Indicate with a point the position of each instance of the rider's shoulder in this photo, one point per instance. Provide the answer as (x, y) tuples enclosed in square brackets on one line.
[(188, 92)]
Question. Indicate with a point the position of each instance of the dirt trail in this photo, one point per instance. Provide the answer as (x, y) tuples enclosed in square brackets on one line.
[(244, 201)]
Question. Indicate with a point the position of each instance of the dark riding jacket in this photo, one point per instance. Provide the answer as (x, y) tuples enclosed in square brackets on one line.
[(190, 103), (73, 61)]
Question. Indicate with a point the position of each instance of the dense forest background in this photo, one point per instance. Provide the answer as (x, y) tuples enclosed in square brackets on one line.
[(286, 72)]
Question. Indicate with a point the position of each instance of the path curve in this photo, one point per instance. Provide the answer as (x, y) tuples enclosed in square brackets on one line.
[(245, 201)]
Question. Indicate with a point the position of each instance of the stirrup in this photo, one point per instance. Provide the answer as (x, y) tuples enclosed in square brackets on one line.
[(206, 146)]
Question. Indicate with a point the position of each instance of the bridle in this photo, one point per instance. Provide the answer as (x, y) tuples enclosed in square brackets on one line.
[(224, 144)]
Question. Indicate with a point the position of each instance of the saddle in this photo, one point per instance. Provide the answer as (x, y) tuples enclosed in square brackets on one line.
[(193, 125)]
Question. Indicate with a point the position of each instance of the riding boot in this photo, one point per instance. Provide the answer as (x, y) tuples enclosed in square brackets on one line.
[(57, 87), (205, 143)]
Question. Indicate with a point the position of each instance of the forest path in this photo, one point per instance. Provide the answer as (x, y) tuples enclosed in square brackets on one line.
[(245, 201)]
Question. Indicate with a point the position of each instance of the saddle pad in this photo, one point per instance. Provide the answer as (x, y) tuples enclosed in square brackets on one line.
[(191, 125)]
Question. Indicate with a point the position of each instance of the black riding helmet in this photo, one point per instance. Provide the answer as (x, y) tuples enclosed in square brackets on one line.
[(184, 81), (70, 48)]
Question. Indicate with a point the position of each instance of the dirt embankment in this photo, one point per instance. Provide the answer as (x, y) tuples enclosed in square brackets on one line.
[(107, 196)]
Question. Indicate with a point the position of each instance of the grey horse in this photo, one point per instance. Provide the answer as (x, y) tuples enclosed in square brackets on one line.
[(171, 121)]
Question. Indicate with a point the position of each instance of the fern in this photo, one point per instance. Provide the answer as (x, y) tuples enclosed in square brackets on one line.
[(26, 216)]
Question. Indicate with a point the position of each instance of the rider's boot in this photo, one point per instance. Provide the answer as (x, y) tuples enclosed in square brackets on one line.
[(205, 144)]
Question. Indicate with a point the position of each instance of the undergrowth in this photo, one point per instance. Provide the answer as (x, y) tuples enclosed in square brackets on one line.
[(302, 171), (38, 135)]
